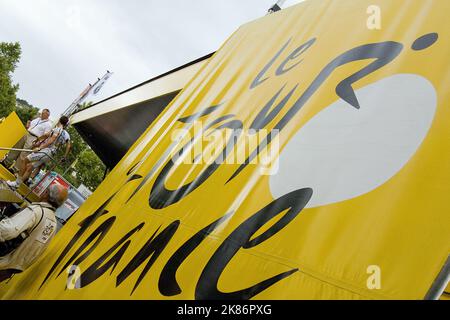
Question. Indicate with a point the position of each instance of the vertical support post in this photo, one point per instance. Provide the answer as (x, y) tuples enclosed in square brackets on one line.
[(440, 283)]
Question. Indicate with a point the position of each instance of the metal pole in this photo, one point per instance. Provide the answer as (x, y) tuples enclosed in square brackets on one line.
[(68, 112), (105, 173), (26, 150), (86, 92), (440, 283)]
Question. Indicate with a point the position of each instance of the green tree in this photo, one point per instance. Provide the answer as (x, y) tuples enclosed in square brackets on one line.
[(89, 169), (82, 164), (84, 105), (78, 144), (25, 111), (9, 57)]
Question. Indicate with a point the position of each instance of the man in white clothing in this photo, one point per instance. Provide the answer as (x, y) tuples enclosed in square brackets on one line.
[(25, 235), (36, 128), (48, 145)]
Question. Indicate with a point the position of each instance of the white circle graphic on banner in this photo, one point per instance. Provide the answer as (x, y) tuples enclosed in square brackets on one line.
[(344, 152)]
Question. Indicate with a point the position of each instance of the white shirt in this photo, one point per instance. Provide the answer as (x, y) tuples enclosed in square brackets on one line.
[(39, 127), (40, 216)]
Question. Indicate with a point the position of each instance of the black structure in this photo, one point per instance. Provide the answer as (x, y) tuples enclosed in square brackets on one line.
[(111, 132), (110, 135)]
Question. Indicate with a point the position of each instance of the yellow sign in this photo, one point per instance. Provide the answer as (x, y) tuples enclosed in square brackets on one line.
[(308, 159), (11, 130)]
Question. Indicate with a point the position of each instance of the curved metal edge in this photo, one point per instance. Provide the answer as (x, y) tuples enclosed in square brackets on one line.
[(440, 283)]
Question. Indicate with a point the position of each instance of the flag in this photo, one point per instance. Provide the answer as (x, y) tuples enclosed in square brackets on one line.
[(90, 90), (95, 89)]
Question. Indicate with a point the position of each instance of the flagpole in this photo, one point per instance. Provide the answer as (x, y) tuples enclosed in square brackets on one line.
[(276, 7), (74, 104), (90, 89)]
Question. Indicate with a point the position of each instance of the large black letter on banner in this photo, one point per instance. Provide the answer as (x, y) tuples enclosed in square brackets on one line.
[(206, 288)]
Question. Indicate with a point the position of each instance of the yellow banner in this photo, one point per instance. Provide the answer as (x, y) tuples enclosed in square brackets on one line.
[(308, 159), (11, 130)]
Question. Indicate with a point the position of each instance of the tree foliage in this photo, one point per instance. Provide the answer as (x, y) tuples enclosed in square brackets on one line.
[(25, 111), (84, 105), (89, 169), (82, 164), (9, 57)]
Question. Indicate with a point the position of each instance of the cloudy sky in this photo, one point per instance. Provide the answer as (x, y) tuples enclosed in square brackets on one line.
[(67, 44)]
